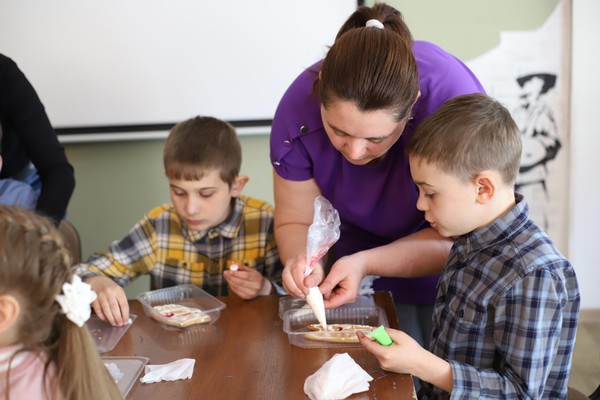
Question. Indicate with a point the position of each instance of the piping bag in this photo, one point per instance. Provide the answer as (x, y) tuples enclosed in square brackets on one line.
[(322, 234)]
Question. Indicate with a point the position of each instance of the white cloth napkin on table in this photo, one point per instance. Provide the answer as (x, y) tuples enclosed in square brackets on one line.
[(338, 378), (179, 369)]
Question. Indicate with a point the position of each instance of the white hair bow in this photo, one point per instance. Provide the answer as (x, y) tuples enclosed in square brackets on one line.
[(76, 299)]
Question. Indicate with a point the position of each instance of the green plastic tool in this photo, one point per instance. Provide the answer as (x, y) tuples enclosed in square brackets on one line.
[(381, 336)]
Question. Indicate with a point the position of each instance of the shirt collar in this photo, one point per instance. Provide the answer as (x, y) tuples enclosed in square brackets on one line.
[(229, 228), (498, 230)]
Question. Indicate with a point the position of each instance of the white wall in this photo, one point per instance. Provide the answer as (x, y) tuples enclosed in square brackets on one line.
[(585, 151), (123, 62)]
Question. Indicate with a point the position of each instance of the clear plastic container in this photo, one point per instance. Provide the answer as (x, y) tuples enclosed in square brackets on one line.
[(295, 323), (186, 295), (104, 334), (291, 303), (126, 369)]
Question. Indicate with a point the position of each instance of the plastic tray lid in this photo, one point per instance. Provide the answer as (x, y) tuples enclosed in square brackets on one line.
[(125, 370), (104, 334)]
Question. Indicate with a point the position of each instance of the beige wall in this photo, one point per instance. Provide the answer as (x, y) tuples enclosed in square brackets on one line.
[(468, 28)]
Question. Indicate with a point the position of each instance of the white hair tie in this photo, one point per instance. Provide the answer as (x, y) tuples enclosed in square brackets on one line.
[(374, 23), (75, 300)]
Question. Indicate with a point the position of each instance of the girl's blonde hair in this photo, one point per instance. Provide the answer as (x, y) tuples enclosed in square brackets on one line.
[(34, 264)]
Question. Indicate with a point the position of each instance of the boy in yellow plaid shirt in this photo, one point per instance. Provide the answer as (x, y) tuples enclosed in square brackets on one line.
[(209, 227)]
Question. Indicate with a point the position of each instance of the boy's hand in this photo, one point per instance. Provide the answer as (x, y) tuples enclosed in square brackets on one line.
[(406, 356), (293, 279), (111, 303), (401, 356), (245, 282)]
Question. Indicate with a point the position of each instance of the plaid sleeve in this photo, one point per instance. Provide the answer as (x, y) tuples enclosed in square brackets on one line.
[(527, 334), (126, 259)]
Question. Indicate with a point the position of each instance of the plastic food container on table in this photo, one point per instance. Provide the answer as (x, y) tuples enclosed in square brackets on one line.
[(104, 334), (291, 303), (127, 369), (295, 323), (186, 295)]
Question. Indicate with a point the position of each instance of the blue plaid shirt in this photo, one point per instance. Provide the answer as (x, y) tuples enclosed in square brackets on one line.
[(506, 313)]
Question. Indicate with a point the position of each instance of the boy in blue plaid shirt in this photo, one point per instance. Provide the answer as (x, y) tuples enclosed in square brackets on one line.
[(209, 227), (507, 304)]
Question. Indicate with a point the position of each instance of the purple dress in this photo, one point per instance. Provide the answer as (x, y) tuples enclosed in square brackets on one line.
[(376, 203)]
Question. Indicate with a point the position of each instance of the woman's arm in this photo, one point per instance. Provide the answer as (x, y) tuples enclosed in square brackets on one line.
[(421, 254), (293, 215)]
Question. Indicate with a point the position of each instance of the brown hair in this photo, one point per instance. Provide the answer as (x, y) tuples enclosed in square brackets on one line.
[(469, 134), (373, 68), (200, 144), (34, 264)]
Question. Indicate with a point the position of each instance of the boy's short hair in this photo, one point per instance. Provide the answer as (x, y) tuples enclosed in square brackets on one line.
[(469, 134), (200, 144)]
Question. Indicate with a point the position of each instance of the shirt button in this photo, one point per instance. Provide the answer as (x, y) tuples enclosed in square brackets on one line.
[(461, 313), (287, 142), (304, 129), (276, 163)]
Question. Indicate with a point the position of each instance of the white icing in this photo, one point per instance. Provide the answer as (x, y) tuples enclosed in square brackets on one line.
[(315, 301)]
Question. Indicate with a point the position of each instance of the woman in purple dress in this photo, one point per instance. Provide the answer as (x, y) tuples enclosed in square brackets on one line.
[(340, 131)]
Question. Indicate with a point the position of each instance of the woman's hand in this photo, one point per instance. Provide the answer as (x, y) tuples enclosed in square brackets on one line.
[(294, 281), (294, 211), (343, 281)]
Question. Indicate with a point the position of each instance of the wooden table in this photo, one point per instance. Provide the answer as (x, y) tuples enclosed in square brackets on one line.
[(246, 355)]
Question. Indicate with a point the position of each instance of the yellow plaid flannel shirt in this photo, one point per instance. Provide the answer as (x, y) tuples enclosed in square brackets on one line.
[(161, 245)]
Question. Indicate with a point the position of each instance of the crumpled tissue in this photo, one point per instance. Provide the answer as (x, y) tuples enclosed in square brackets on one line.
[(179, 369), (338, 378)]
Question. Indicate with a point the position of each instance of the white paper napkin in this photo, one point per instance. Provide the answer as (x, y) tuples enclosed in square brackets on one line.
[(179, 369), (338, 378)]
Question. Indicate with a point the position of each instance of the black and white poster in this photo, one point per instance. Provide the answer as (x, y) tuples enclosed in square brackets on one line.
[(529, 73)]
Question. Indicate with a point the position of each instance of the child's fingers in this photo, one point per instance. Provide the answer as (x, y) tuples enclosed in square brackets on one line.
[(124, 307), (245, 284), (245, 290), (112, 310), (98, 310), (244, 274), (370, 345), (106, 311), (397, 336)]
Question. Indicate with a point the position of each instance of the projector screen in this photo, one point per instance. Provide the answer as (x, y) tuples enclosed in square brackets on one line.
[(101, 64)]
